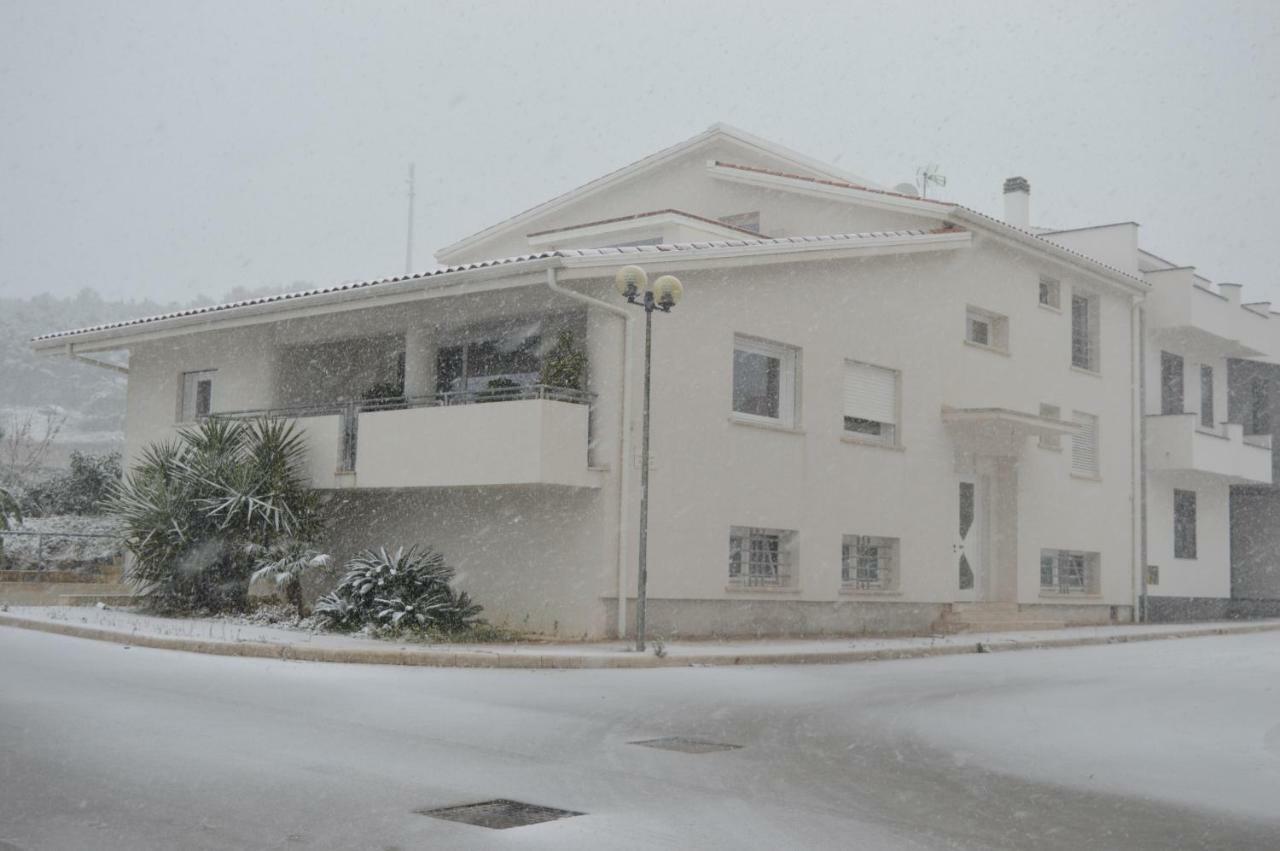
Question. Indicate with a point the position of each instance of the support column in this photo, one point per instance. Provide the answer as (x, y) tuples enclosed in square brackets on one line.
[(419, 361), (1004, 531)]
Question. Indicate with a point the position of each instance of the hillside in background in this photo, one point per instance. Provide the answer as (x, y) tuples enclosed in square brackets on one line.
[(91, 399)]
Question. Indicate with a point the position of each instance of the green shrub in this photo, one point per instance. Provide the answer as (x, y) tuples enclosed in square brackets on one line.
[(408, 590), (565, 365), (196, 509)]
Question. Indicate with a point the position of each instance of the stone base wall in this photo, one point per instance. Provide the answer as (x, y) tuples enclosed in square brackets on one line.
[(673, 619), (1184, 609)]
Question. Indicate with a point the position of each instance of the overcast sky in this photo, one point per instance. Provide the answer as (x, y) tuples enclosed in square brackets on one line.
[(169, 149)]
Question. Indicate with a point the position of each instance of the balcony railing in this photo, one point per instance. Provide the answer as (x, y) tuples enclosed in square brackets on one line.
[(404, 445)]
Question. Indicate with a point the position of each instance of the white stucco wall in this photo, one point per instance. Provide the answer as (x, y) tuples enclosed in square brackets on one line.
[(1209, 573)]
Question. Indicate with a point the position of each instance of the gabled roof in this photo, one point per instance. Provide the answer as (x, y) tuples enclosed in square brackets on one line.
[(715, 132), (710, 250), (945, 210), (634, 217)]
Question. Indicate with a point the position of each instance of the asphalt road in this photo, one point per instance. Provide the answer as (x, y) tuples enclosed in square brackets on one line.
[(1166, 745)]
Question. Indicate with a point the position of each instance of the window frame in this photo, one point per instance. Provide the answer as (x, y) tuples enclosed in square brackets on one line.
[(890, 433), (1053, 287), (1095, 471), (856, 576), (1185, 544), (997, 325), (1092, 331), (189, 384), (1081, 577), (776, 550), (788, 358)]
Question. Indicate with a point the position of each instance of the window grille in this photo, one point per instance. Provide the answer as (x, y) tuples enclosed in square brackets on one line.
[(868, 562), (759, 557), (1069, 571), (1084, 332)]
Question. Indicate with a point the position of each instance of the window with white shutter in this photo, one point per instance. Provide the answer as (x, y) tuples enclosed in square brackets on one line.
[(197, 395), (871, 402), (1084, 445)]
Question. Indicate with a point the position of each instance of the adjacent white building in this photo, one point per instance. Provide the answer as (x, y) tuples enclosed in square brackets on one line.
[(871, 411)]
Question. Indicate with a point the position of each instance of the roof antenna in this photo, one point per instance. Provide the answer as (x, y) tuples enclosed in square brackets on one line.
[(408, 248), (927, 174)]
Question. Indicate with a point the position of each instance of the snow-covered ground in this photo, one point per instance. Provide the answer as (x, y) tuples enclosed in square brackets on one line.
[(129, 623), (1152, 745)]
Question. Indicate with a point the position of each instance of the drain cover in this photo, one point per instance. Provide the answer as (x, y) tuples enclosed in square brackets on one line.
[(499, 814), (685, 745)]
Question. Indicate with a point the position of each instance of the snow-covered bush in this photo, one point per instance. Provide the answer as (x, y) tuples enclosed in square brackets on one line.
[(405, 590)]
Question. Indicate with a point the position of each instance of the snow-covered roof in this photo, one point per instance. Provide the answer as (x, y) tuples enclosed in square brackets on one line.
[(606, 256)]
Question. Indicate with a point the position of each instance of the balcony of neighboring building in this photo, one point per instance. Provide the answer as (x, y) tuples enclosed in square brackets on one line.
[(1185, 312), (476, 403), (1181, 443)]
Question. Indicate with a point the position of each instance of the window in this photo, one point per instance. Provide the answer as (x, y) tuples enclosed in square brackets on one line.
[(746, 221), (1069, 571), (1184, 524), (1153, 574), (1084, 332), (1050, 441), (1206, 396), (503, 357), (871, 402), (1170, 383), (764, 380), (1084, 444), (1050, 293), (868, 562), (760, 557), (1259, 420), (197, 394), (984, 328)]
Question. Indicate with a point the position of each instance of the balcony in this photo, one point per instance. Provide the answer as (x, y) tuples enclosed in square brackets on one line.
[(523, 435), (1177, 443), (1183, 313)]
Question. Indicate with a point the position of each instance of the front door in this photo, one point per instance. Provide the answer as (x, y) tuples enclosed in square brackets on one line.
[(967, 549)]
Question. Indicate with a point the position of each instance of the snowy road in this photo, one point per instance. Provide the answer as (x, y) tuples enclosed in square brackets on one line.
[(1172, 744)]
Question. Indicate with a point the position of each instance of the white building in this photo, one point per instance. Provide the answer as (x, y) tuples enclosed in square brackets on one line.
[(871, 411)]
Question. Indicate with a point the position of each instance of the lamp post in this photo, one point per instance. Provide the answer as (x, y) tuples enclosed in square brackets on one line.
[(664, 294)]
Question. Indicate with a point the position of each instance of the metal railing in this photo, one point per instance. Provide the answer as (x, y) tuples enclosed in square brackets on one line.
[(11, 557), (350, 410)]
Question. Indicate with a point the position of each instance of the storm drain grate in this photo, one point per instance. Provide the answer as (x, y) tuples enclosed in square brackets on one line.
[(686, 745), (499, 814)]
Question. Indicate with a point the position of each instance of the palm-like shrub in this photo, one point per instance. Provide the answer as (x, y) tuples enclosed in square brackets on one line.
[(286, 562), (196, 508), (407, 589)]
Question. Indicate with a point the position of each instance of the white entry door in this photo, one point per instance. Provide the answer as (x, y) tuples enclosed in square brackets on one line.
[(967, 549)]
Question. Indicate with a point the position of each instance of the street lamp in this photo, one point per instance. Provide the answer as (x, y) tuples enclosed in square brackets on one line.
[(633, 285)]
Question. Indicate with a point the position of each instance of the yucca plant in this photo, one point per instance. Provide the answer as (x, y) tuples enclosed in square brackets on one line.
[(286, 563), (196, 507), (407, 589)]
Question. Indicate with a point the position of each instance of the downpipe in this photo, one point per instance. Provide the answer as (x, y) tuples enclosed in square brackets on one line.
[(624, 433)]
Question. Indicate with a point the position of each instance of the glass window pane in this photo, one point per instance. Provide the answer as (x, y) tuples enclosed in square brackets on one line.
[(756, 384)]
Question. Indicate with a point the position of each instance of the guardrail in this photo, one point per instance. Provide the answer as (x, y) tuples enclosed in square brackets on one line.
[(350, 410)]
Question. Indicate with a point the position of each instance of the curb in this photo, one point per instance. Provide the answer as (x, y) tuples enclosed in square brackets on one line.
[(482, 659)]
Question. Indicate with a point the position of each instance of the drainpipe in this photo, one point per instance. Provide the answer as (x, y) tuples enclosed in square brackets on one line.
[(624, 435), (1138, 328)]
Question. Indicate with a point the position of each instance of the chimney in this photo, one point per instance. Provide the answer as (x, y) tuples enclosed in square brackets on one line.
[(1231, 292), (1017, 202)]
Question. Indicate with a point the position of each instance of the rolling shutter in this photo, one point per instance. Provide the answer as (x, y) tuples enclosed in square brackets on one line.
[(870, 393), (1084, 444)]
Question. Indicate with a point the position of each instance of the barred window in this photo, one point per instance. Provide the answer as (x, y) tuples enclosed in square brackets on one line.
[(760, 557), (1069, 571), (869, 562)]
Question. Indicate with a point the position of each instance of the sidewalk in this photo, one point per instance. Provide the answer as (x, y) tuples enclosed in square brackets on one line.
[(223, 638)]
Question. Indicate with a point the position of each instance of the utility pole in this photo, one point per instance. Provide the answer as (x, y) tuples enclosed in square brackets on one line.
[(408, 248)]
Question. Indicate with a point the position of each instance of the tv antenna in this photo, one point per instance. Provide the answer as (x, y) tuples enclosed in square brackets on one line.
[(408, 248), (928, 174)]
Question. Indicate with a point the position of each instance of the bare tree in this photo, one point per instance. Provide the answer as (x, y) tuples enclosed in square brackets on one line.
[(24, 443)]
